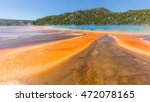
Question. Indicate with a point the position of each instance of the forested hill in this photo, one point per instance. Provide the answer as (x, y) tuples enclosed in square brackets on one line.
[(10, 22), (99, 16)]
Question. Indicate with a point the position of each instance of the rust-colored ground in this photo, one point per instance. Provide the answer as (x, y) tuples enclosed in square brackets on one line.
[(94, 58), (23, 63), (137, 45)]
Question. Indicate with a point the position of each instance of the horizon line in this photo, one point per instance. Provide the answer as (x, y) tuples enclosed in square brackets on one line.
[(71, 12)]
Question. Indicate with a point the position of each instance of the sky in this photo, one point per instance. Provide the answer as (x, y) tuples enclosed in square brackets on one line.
[(34, 9)]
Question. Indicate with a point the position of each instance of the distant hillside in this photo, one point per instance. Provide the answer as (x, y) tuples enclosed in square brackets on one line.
[(9, 22), (99, 16)]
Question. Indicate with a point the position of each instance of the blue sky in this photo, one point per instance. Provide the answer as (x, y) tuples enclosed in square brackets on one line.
[(33, 9)]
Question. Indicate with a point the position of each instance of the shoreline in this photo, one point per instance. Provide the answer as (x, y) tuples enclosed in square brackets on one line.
[(38, 61)]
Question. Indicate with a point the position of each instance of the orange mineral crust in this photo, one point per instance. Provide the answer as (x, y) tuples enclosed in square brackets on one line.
[(136, 45), (19, 65)]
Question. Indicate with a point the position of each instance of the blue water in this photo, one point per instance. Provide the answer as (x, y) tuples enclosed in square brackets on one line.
[(23, 32), (120, 28)]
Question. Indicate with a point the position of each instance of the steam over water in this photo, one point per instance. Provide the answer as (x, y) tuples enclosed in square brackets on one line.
[(28, 35), (11, 37), (117, 28)]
